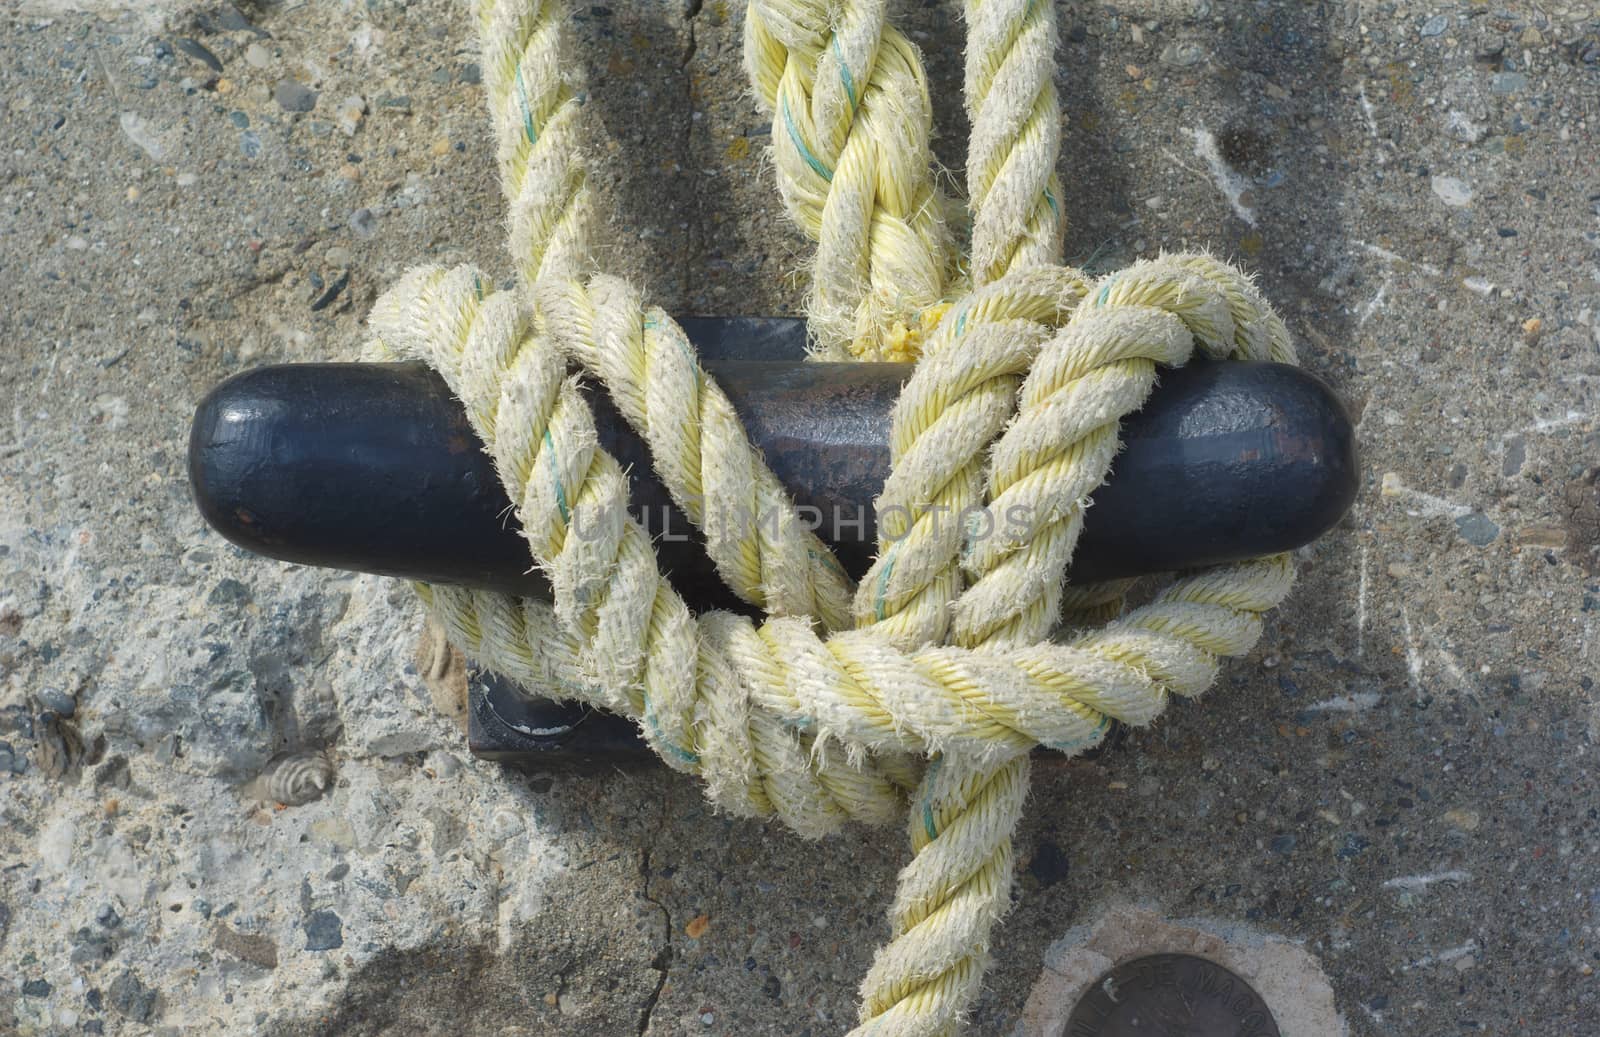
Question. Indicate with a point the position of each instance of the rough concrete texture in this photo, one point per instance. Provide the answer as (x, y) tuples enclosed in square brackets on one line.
[(1401, 779)]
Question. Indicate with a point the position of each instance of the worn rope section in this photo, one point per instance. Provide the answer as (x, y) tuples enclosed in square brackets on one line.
[(1013, 190), (851, 120), (1080, 383), (538, 129), (755, 539), (943, 427)]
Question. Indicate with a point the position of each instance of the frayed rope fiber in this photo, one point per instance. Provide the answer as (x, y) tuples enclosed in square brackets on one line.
[(917, 695)]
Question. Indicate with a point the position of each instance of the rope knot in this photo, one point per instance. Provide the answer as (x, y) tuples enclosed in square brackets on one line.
[(918, 694), (1013, 410)]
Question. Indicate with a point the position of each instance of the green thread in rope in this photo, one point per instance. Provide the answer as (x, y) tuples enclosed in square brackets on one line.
[(681, 753), (805, 152), (927, 805), (555, 477), (527, 110), (1081, 743), (844, 75), (827, 562), (879, 608)]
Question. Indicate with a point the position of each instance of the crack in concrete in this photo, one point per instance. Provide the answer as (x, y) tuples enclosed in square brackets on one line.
[(691, 11), (662, 962)]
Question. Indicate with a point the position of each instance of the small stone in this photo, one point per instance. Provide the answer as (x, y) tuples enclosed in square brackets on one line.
[(108, 917), (36, 988), (294, 97), (1508, 82), (133, 999), (1463, 818), (697, 927), (92, 948), (255, 948), (60, 701), (1452, 191), (1516, 454), (1436, 25), (441, 148), (1283, 843), (239, 119), (60, 748), (229, 593), (338, 256), (331, 292), (197, 51), (1531, 37), (1478, 529), (363, 224), (448, 830), (233, 20), (1354, 846), (470, 74), (1544, 535), (443, 764), (249, 143), (113, 773), (324, 931), (349, 114), (1532, 328), (258, 56), (1185, 54)]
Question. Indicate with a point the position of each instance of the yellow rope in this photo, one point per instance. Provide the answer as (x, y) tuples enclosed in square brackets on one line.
[(919, 694)]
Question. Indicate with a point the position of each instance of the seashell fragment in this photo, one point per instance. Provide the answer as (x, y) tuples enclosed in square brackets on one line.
[(293, 779)]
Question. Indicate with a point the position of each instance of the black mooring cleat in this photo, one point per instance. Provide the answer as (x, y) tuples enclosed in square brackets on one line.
[(374, 468)]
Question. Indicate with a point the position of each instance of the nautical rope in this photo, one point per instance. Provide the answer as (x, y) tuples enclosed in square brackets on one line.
[(1016, 198), (850, 125), (920, 693)]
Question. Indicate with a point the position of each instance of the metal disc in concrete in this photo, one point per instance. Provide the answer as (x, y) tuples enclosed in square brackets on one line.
[(1171, 995)]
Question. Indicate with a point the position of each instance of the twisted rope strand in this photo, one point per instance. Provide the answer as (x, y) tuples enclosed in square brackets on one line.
[(851, 120), (699, 448), (1015, 194), (753, 533), (537, 122), (961, 396)]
